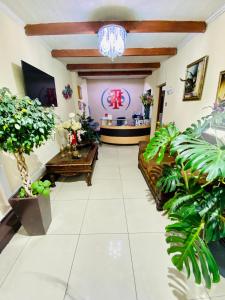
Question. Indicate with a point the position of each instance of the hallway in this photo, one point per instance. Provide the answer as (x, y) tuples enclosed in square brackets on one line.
[(106, 242)]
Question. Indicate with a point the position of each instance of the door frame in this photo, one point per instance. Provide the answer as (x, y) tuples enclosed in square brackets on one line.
[(159, 99)]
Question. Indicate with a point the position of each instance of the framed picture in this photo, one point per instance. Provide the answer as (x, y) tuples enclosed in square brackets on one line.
[(194, 80), (79, 91), (221, 88)]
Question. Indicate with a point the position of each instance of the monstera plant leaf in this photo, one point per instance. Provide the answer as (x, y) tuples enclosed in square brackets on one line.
[(190, 251), (171, 178), (159, 143), (212, 208), (200, 155), (196, 129)]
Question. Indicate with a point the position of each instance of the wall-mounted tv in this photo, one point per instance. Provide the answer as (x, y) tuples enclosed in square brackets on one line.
[(39, 85)]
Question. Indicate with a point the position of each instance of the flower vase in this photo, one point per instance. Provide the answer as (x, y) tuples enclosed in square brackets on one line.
[(146, 111)]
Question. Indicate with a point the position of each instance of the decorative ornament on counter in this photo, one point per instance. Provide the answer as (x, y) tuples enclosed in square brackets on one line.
[(67, 92)]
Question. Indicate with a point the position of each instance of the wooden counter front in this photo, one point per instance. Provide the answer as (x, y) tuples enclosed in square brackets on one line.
[(124, 135)]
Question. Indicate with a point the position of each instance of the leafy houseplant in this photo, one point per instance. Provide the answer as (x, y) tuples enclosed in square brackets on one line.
[(24, 125), (88, 126), (198, 206), (147, 101)]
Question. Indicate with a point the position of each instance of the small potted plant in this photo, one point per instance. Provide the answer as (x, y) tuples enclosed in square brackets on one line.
[(25, 125), (147, 101)]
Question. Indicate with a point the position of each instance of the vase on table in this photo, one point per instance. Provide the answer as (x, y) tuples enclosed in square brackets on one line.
[(146, 111)]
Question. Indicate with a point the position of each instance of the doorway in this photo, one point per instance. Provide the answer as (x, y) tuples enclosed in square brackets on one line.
[(162, 89)]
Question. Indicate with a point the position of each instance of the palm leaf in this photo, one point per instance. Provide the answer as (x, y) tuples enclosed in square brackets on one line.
[(189, 249), (200, 155), (159, 143)]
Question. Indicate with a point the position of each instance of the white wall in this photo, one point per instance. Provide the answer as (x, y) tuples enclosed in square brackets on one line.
[(211, 43), (97, 87), (16, 46)]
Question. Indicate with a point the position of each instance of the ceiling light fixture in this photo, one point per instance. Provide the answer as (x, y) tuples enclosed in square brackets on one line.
[(112, 40)]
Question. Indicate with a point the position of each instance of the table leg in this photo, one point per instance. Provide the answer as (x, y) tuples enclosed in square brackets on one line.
[(88, 178), (52, 179)]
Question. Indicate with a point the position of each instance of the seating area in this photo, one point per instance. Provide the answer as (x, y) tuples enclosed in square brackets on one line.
[(112, 150)]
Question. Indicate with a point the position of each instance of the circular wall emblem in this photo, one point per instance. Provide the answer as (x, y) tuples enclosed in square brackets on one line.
[(115, 99)]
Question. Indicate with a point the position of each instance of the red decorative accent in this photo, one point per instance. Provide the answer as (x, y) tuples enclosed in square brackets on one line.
[(116, 98), (74, 139)]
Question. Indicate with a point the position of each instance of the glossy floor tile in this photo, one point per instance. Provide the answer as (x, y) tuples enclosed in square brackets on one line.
[(154, 274), (73, 190), (102, 269), (67, 217), (143, 217), (10, 254), (42, 270), (105, 217), (106, 189), (105, 242), (218, 290)]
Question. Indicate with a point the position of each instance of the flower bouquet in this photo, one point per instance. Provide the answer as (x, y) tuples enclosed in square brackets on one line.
[(147, 100), (75, 131)]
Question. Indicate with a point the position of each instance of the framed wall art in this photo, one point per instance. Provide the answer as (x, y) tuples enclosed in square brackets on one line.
[(220, 97), (194, 80)]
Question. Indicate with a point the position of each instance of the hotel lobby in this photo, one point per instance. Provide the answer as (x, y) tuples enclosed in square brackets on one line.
[(112, 150)]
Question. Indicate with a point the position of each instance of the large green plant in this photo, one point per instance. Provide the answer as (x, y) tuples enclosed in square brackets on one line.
[(198, 206), (24, 125)]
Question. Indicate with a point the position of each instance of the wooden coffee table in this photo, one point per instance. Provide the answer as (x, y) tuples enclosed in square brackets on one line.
[(68, 166)]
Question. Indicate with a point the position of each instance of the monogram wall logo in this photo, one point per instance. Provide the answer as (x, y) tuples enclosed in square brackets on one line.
[(115, 99)]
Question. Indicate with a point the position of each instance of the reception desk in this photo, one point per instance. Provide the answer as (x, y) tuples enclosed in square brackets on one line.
[(124, 135)]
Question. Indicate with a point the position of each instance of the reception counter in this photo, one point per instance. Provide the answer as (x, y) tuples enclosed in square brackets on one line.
[(124, 135)]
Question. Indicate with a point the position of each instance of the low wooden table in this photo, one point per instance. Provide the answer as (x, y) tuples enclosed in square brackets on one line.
[(68, 166)]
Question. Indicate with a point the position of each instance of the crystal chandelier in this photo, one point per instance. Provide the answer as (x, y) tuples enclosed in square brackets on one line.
[(111, 40)]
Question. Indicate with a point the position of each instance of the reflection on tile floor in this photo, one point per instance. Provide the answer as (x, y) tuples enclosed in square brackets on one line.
[(106, 242)]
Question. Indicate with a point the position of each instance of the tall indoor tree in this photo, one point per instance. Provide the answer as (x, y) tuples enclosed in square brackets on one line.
[(24, 126)]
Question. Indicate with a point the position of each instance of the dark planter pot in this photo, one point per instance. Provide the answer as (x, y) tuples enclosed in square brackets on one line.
[(33, 213), (218, 251)]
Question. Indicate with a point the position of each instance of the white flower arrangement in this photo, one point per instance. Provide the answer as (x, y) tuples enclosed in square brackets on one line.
[(72, 126)]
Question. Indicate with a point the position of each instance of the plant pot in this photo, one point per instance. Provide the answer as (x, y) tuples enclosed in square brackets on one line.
[(218, 251), (34, 213)]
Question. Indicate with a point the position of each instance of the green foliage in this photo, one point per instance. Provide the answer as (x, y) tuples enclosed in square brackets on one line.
[(24, 123), (190, 250), (38, 188), (160, 142), (198, 205), (199, 155), (170, 180), (90, 134)]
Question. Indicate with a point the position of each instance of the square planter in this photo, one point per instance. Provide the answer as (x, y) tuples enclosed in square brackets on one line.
[(34, 213)]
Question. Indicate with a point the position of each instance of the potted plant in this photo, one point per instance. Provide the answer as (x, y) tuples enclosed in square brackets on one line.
[(147, 101), (197, 208), (25, 125), (88, 126)]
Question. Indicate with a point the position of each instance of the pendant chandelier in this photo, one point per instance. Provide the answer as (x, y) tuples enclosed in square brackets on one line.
[(111, 40)]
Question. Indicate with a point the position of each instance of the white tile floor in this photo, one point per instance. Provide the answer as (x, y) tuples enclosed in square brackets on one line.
[(106, 242)]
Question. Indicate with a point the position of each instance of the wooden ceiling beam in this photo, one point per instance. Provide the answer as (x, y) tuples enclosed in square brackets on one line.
[(130, 26), (114, 73), (116, 66), (127, 52)]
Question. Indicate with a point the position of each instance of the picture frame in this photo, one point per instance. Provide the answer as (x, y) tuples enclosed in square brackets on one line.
[(195, 78), (220, 95), (79, 91)]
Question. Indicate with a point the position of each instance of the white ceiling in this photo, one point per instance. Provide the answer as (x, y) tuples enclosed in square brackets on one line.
[(42, 11), (46, 11)]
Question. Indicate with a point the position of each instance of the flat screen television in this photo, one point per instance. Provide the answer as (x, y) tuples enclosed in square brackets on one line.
[(39, 84)]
